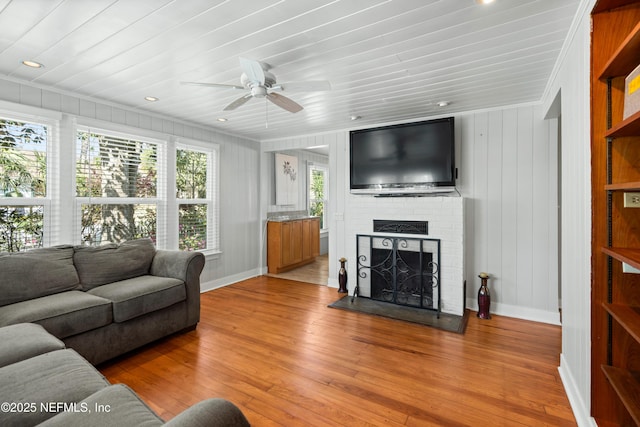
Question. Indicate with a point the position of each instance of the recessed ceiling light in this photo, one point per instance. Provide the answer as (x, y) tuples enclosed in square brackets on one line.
[(484, 1), (443, 103), (221, 119), (151, 98), (354, 117), (32, 64)]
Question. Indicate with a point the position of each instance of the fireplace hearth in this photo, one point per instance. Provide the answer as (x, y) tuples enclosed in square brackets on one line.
[(399, 270)]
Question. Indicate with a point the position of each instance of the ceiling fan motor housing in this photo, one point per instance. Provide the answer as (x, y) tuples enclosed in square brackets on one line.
[(269, 81)]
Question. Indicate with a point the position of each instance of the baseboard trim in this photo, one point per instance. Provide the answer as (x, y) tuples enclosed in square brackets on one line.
[(525, 313), (228, 280), (580, 410)]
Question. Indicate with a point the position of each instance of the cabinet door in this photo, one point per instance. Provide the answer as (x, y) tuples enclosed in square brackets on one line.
[(286, 250), (306, 239), (295, 241), (314, 233)]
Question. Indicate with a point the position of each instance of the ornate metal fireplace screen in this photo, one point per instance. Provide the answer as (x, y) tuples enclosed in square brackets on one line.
[(400, 270)]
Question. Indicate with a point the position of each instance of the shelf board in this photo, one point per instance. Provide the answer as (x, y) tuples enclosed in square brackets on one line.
[(628, 317), (624, 186), (625, 59), (628, 127), (626, 387), (606, 5), (627, 255)]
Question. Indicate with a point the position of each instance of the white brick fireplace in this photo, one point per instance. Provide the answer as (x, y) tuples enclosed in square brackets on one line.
[(445, 216)]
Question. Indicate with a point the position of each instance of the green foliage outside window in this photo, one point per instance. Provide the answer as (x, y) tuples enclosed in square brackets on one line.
[(106, 167), (316, 195), (23, 172), (113, 167), (191, 184)]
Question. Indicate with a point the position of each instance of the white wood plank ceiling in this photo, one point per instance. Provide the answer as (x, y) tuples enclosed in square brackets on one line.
[(386, 60)]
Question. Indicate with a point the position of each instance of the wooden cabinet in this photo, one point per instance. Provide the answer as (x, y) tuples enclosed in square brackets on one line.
[(291, 244), (615, 160)]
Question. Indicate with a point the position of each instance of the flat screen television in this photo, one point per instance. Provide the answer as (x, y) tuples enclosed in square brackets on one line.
[(410, 158)]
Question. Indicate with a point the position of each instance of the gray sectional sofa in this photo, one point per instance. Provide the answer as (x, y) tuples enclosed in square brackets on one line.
[(102, 301), (43, 383)]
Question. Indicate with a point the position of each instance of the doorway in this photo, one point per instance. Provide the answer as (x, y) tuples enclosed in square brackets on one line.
[(313, 198)]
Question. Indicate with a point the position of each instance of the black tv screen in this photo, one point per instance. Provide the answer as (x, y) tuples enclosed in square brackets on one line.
[(407, 158)]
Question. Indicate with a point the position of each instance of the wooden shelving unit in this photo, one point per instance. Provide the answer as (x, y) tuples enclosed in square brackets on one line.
[(615, 148), (626, 386), (627, 255), (628, 127)]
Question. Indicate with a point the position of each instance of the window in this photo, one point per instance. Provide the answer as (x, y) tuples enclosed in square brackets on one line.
[(116, 187), (23, 184), (61, 182), (195, 194), (318, 192)]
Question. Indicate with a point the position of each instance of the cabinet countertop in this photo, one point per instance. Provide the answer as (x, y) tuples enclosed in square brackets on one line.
[(285, 218)]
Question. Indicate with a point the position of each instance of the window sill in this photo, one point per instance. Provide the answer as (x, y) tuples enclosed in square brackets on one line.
[(211, 253)]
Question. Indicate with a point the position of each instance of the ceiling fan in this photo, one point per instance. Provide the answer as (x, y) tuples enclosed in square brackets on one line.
[(260, 83)]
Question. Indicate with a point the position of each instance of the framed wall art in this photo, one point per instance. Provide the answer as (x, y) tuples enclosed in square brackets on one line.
[(286, 168)]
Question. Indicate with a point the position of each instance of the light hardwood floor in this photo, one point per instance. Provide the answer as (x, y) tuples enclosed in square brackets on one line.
[(317, 272), (274, 348)]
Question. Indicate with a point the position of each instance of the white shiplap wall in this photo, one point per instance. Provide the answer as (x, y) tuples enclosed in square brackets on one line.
[(506, 160), (508, 173), (304, 158), (571, 85), (239, 171)]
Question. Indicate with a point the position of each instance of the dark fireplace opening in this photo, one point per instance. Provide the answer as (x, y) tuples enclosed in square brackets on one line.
[(405, 279), (399, 270)]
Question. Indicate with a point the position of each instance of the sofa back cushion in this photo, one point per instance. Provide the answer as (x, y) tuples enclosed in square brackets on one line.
[(36, 273), (99, 265)]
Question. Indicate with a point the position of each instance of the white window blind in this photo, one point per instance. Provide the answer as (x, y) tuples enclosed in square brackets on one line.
[(117, 187), (196, 197), (26, 163)]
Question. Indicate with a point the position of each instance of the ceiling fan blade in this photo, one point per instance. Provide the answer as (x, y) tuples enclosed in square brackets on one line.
[(253, 69), (238, 102), (223, 86), (284, 102), (309, 86)]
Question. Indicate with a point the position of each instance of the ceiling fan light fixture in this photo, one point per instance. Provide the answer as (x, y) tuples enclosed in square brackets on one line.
[(32, 64), (259, 91)]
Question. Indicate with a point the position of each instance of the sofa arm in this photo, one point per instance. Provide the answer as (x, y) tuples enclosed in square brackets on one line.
[(210, 413), (183, 265), (186, 266)]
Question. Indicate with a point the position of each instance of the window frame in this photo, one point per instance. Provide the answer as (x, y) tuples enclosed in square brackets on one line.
[(50, 213), (325, 171), (212, 188), (61, 205), (159, 200)]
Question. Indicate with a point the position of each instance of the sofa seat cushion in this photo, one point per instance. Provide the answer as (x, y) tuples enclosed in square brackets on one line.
[(36, 273), (24, 340), (141, 295), (116, 405), (46, 382), (64, 314), (100, 265)]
